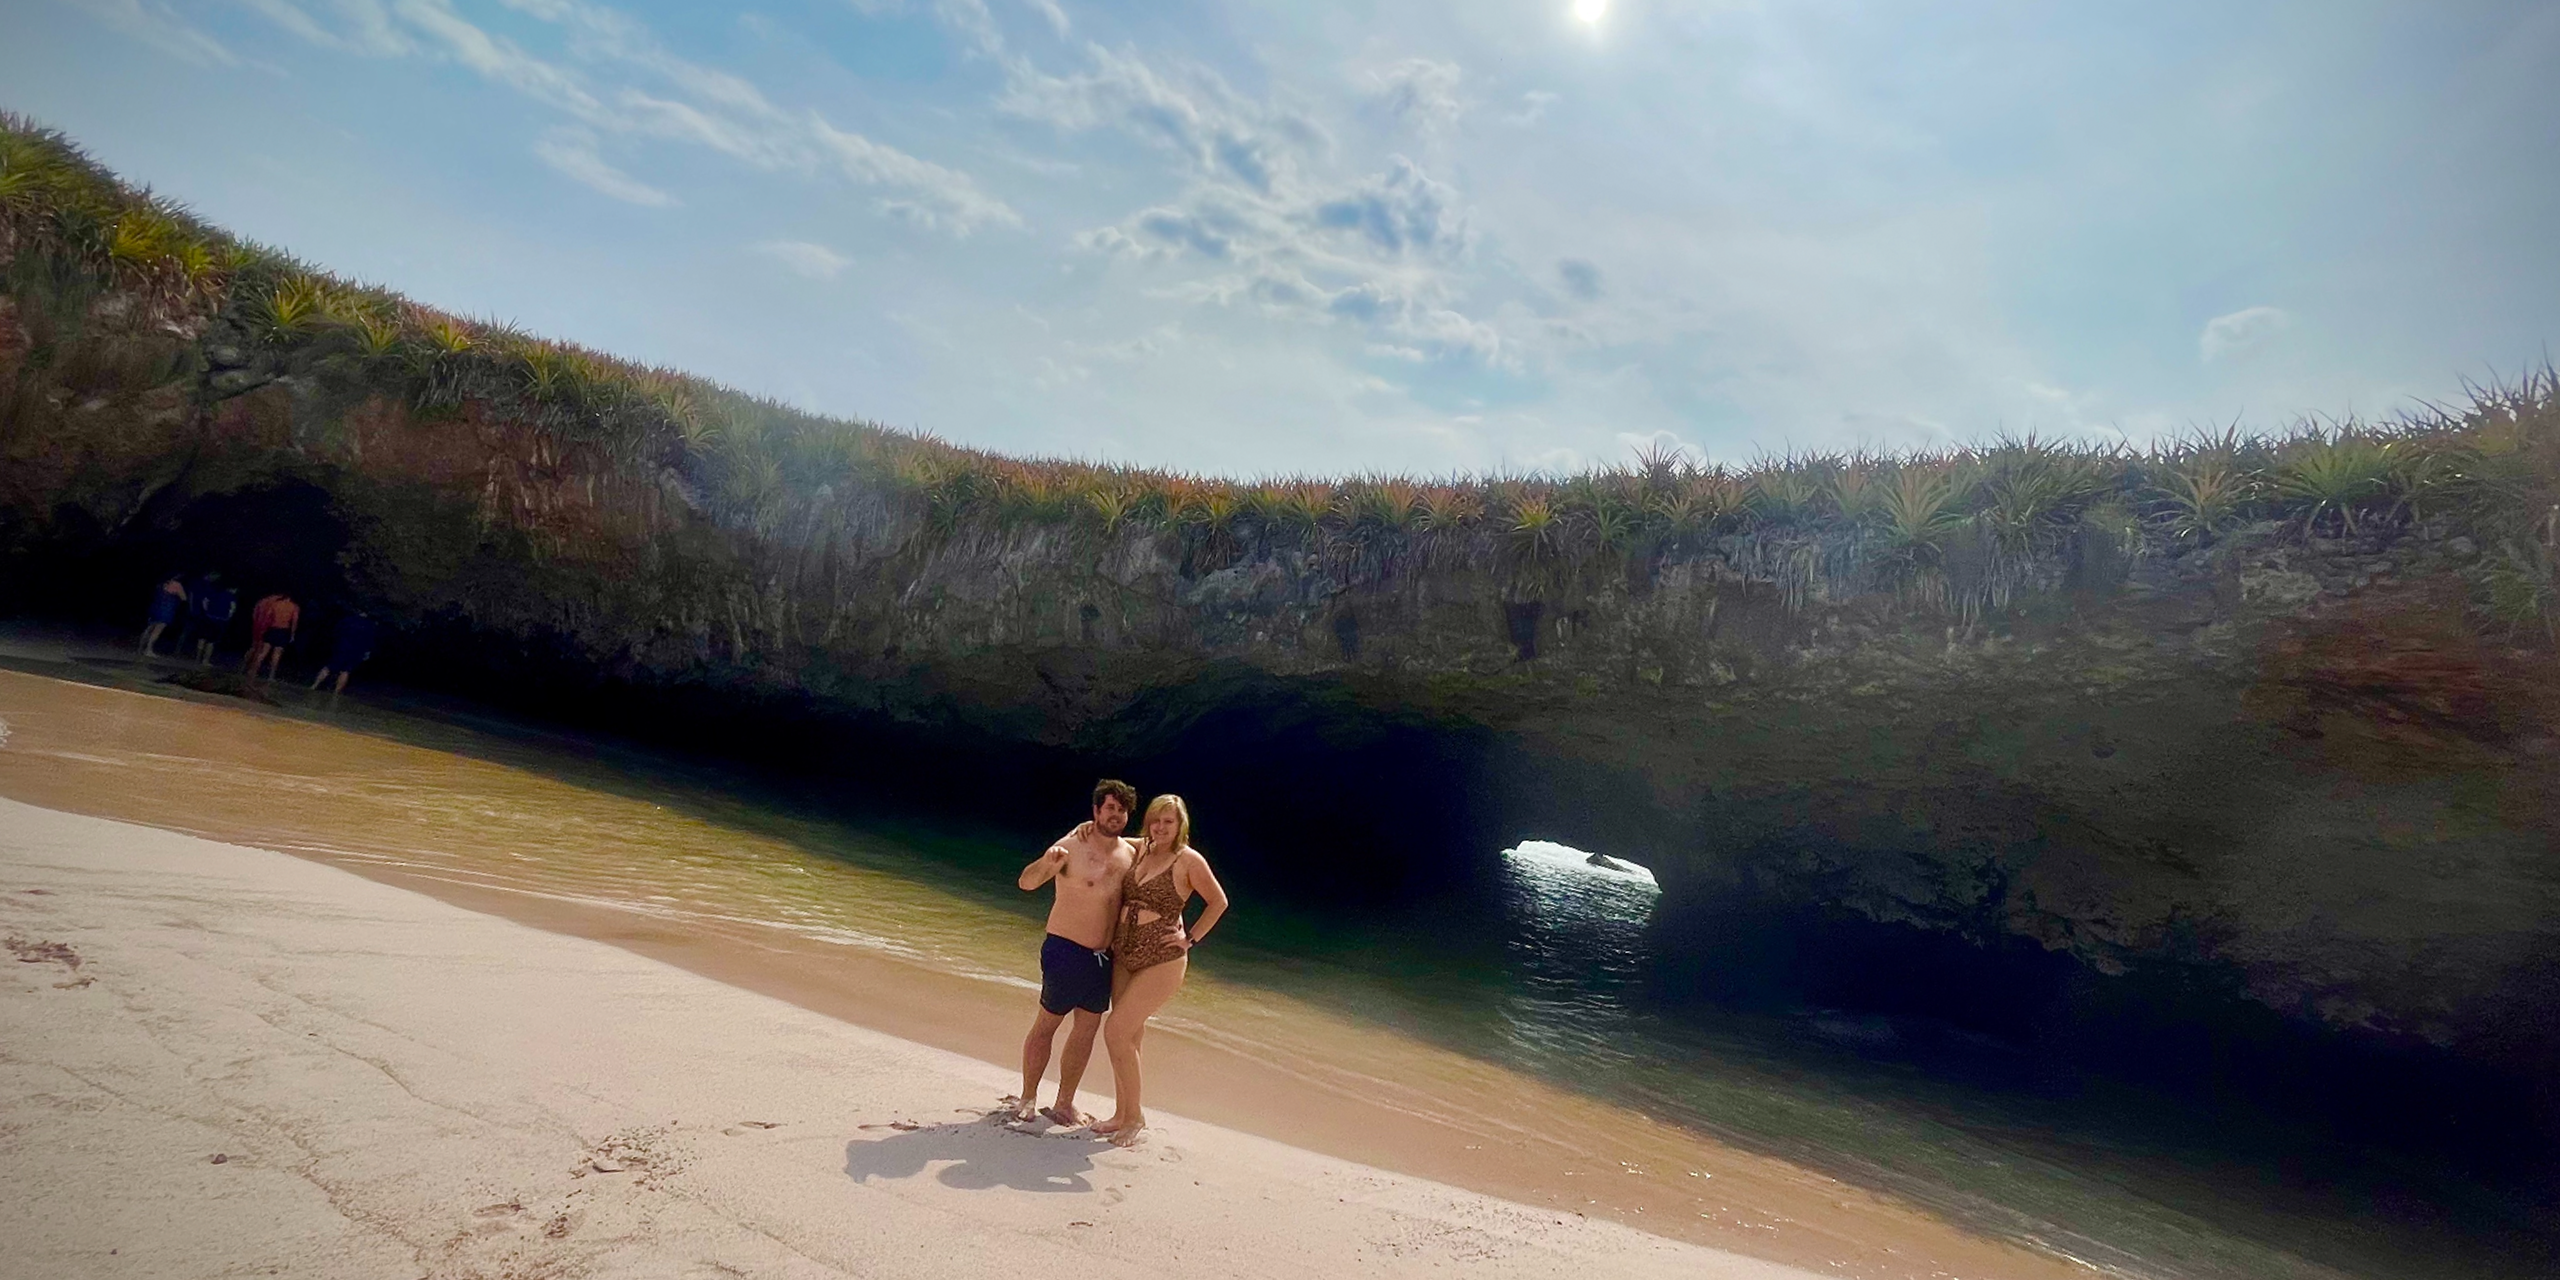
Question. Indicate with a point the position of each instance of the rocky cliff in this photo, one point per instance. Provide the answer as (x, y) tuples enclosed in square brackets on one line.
[(2303, 752)]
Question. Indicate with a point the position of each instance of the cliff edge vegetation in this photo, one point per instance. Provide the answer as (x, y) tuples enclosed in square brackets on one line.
[(2268, 720)]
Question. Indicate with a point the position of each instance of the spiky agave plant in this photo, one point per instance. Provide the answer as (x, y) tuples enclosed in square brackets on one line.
[(1537, 529), (1919, 508), (1616, 519), (1300, 509), (141, 242), (2334, 476), (1111, 505), (1661, 465), (2032, 492), (1445, 510), (33, 171), (1856, 493), (2205, 494), (292, 311), (1220, 511), (1785, 492)]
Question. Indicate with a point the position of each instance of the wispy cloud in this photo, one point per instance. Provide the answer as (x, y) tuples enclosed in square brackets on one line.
[(626, 83), (1051, 13), (2240, 334), (162, 28), (1418, 92), (931, 195), (816, 261), (573, 153), (1189, 110)]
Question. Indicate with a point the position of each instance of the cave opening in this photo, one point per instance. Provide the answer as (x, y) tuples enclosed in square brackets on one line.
[(286, 536)]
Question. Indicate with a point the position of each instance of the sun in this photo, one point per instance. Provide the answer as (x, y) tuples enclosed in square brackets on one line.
[(1590, 12)]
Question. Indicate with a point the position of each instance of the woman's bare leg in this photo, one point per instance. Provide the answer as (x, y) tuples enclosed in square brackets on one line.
[(1122, 1035)]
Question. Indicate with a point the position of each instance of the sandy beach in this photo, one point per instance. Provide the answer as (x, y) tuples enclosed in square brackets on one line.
[(506, 859), (228, 1061)]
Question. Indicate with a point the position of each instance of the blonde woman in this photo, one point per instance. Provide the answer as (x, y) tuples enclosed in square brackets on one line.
[(1151, 951)]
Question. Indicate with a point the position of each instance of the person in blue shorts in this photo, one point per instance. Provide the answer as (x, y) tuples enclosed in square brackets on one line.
[(352, 644), (214, 603), (165, 606), (1087, 864)]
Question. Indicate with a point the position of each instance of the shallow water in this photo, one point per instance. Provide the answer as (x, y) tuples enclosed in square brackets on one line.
[(1539, 970)]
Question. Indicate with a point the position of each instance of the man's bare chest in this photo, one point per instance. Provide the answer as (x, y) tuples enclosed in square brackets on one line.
[(1092, 873)]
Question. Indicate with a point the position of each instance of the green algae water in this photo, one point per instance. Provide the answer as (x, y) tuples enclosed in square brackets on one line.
[(1540, 968)]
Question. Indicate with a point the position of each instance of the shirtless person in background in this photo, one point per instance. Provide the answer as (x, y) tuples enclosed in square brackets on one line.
[(1088, 865)]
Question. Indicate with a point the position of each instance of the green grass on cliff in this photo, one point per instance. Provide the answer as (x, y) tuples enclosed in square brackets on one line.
[(1959, 529)]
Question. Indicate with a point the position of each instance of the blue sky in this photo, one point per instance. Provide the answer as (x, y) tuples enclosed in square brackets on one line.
[(1325, 236)]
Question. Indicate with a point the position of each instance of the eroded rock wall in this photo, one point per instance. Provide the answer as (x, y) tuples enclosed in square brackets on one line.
[(2296, 763)]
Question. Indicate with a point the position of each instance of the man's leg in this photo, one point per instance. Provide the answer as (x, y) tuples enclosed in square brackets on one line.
[(1071, 1067), (1035, 1062)]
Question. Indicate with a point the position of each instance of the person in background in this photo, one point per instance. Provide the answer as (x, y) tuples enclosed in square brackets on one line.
[(165, 605), (213, 604), (273, 624), (348, 648)]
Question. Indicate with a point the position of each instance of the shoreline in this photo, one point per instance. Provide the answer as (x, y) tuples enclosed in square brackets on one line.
[(224, 1060), (1761, 1206)]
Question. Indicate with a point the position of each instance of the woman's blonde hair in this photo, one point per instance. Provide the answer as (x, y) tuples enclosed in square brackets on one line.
[(1181, 833)]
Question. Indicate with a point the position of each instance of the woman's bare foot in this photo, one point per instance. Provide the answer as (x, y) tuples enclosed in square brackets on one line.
[(1112, 1125), (1066, 1117), (1127, 1135)]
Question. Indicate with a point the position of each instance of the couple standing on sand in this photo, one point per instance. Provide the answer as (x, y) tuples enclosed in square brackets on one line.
[(1116, 945)]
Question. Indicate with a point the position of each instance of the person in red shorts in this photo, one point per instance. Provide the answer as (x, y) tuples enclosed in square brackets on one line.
[(273, 624)]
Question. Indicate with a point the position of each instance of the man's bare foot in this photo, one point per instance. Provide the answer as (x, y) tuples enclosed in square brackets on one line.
[(1111, 1125), (1066, 1117), (1128, 1135), (1020, 1110)]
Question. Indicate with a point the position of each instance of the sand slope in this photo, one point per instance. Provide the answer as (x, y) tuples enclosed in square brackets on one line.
[(398, 1087)]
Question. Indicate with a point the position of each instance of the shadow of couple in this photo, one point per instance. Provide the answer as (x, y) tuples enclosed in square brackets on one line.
[(981, 1154)]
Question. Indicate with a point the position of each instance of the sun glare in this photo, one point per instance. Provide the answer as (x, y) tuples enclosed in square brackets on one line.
[(1590, 12)]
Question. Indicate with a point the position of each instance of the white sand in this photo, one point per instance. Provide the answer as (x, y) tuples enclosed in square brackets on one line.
[(403, 1088)]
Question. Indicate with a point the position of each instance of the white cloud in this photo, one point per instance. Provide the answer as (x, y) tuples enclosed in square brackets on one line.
[(816, 261), (944, 199), (2241, 334), (573, 153), (1418, 92), (1533, 107), (630, 85), (1403, 208), (1050, 12), (1191, 112), (161, 27)]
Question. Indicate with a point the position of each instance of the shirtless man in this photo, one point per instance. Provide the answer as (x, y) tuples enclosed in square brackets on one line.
[(1088, 865)]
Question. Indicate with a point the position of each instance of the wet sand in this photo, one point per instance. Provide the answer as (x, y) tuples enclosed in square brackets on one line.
[(1366, 1095), (217, 1060)]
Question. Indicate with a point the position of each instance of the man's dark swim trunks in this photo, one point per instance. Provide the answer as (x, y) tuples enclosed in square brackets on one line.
[(1074, 976)]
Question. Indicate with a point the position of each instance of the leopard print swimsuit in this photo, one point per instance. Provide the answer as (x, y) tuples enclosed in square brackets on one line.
[(1143, 946)]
